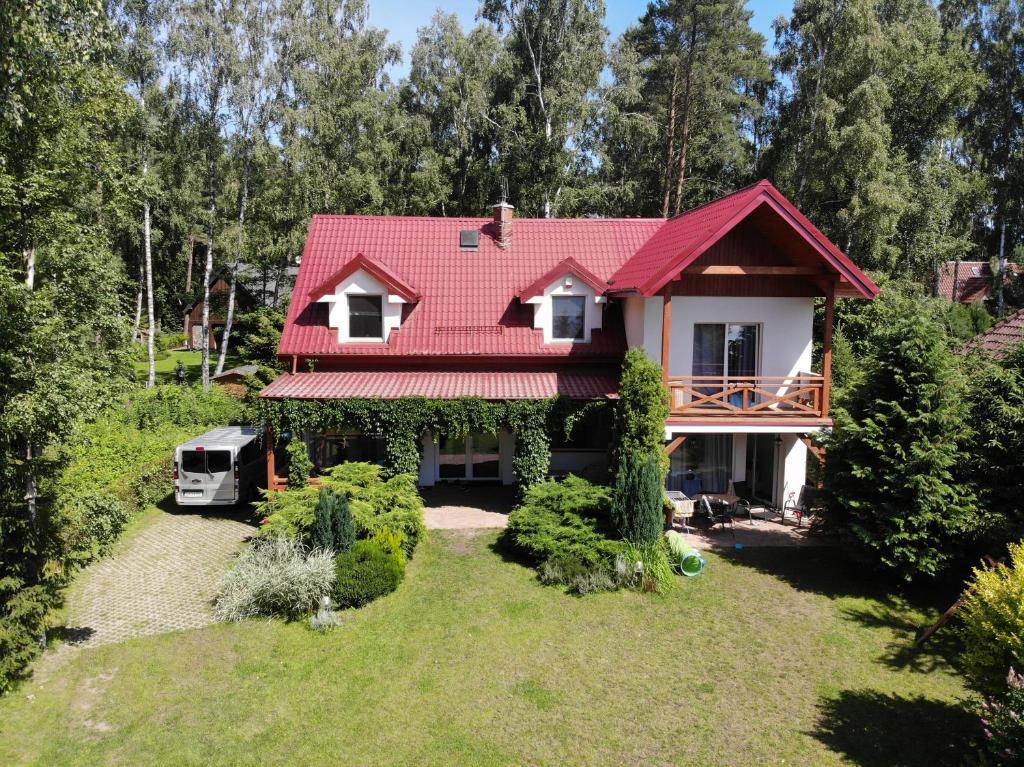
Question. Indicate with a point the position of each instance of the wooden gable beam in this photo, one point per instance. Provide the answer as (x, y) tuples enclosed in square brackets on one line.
[(719, 270), (815, 450)]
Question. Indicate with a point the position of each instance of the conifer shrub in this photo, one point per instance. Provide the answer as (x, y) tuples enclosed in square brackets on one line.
[(638, 509), (365, 573), (333, 527), (641, 411), (992, 623)]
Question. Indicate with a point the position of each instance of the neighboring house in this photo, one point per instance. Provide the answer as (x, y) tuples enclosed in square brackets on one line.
[(999, 339), (498, 308), (219, 290), (969, 282)]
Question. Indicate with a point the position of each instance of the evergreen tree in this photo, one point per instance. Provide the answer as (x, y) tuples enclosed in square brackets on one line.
[(641, 411), (637, 503), (343, 526), (891, 459), (300, 467)]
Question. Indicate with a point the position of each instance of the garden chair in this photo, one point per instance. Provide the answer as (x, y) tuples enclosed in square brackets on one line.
[(717, 513), (805, 504), (746, 503), (682, 508)]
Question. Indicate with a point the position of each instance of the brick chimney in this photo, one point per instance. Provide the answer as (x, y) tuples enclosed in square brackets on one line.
[(503, 223)]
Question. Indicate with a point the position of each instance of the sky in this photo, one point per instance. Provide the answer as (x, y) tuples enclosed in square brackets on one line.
[(403, 17)]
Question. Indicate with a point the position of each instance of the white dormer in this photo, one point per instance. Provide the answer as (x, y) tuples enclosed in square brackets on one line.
[(568, 302), (365, 301)]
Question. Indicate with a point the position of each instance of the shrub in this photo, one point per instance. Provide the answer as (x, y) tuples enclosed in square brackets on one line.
[(374, 503), (1002, 718), (655, 571), (366, 573), (993, 623), (333, 527), (92, 522), (171, 404), (567, 523), (275, 577), (638, 509), (300, 467)]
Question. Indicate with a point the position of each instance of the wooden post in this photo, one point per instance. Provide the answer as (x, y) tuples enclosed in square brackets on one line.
[(826, 357), (268, 439), (666, 331), (675, 444)]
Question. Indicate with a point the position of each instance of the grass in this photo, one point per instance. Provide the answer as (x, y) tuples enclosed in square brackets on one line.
[(193, 361), (769, 657)]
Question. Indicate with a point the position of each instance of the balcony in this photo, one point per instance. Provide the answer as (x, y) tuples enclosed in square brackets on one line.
[(802, 396)]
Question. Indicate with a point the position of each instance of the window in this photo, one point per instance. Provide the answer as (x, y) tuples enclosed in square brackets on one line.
[(568, 314), (205, 461), (702, 464), (365, 317), (329, 450)]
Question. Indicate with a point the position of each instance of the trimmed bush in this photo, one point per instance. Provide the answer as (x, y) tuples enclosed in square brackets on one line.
[(275, 577), (366, 573), (638, 509), (300, 467), (992, 619), (641, 412)]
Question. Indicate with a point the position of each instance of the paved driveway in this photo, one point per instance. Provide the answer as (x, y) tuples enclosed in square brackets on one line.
[(162, 579)]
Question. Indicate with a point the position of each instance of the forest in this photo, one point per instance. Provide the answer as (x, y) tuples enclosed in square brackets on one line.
[(148, 147)]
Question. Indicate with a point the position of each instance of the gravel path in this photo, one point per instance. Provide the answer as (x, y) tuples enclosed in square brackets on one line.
[(162, 579)]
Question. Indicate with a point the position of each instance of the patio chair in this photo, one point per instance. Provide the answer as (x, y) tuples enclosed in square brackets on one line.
[(717, 513), (805, 504), (747, 503)]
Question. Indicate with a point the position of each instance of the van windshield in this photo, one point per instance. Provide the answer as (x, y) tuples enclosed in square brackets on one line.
[(205, 461)]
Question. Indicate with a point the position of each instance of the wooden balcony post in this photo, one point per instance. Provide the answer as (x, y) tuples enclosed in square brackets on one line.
[(268, 439), (826, 356), (666, 330)]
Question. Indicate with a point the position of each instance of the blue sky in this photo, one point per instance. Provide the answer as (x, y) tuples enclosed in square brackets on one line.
[(403, 17)]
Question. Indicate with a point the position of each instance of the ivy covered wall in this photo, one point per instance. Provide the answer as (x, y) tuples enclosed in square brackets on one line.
[(402, 422)]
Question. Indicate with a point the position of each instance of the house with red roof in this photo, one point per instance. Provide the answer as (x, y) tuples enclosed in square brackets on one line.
[(722, 297), (970, 282)]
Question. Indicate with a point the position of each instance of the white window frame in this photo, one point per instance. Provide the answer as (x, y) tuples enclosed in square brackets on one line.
[(383, 324)]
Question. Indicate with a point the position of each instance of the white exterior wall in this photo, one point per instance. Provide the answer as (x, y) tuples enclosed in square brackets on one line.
[(786, 338), (543, 307), (362, 283), (428, 463)]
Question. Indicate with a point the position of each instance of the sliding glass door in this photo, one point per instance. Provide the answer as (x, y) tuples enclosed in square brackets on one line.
[(475, 456), (724, 350)]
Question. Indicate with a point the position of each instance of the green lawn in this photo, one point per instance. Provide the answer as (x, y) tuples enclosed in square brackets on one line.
[(193, 365), (769, 657)]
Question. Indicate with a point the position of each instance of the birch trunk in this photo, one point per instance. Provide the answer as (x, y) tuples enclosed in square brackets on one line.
[(146, 235), (29, 255), (211, 178), (226, 336), (137, 324)]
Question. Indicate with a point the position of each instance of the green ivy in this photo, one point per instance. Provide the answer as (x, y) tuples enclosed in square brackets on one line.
[(404, 421)]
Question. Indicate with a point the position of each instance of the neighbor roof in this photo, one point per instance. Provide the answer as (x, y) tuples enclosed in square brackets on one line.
[(969, 282), (999, 339)]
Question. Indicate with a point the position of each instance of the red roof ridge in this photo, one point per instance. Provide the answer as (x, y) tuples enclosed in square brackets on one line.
[(392, 281)]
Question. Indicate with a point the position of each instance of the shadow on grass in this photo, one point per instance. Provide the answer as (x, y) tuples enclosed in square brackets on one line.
[(878, 730), (832, 573)]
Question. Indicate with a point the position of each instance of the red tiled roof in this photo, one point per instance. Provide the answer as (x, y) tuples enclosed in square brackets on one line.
[(569, 265), (969, 282), (468, 305), (1001, 337), (496, 385), (684, 238)]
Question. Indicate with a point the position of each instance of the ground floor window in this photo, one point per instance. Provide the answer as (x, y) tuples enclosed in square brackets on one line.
[(702, 464), (327, 450)]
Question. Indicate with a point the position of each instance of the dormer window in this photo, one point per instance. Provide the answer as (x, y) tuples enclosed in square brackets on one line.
[(366, 317), (568, 318)]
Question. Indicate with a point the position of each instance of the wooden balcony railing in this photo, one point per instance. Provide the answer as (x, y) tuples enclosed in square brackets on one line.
[(801, 395)]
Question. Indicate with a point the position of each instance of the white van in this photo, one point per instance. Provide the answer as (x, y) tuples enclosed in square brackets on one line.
[(222, 467)]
